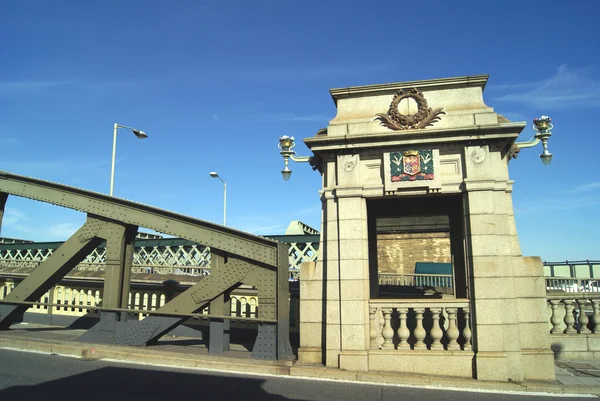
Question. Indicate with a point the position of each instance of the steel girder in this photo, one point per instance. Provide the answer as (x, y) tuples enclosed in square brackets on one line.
[(53, 269), (239, 258), (252, 247), (3, 198), (273, 337)]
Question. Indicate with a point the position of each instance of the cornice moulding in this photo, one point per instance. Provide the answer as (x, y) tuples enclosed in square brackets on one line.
[(428, 84)]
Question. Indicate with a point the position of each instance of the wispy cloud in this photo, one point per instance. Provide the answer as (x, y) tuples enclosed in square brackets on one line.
[(9, 141), (303, 72), (313, 210), (25, 227), (69, 171), (36, 86), (289, 117), (13, 217), (556, 204), (567, 88), (514, 116), (272, 229), (61, 231), (30, 85), (592, 186), (583, 199)]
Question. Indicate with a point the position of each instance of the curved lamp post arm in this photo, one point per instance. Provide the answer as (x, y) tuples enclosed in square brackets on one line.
[(300, 159), (528, 144)]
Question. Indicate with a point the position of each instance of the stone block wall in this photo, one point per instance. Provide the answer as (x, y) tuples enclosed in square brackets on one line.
[(399, 252)]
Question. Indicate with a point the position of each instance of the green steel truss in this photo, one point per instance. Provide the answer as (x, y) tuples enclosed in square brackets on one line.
[(155, 256), (237, 258)]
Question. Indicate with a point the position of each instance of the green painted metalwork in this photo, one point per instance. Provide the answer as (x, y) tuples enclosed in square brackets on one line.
[(240, 258), (3, 198), (246, 245), (51, 271), (160, 256), (119, 258)]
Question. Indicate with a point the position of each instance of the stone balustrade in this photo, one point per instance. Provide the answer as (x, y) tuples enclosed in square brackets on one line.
[(574, 325), (417, 324), (574, 313)]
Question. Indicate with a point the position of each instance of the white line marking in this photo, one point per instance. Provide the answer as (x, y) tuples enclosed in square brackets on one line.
[(320, 379)]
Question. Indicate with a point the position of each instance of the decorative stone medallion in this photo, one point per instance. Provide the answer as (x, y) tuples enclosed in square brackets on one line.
[(411, 165), (397, 121), (478, 155)]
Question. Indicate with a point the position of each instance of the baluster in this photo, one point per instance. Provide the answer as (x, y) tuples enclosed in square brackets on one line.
[(595, 325), (373, 328), (452, 331), (556, 320), (403, 332), (388, 332), (57, 298), (596, 316), (569, 319), (583, 319), (67, 299), (436, 331), (419, 330), (76, 307), (381, 321), (467, 330), (91, 302)]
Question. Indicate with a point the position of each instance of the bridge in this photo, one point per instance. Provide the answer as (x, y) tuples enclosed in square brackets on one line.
[(441, 173), (237, 258)]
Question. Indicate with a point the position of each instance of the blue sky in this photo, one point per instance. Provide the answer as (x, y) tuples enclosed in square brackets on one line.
[(215, 83)]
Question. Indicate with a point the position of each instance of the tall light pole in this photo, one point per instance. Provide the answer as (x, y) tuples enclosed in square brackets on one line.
[(215, 175), (137, 133)]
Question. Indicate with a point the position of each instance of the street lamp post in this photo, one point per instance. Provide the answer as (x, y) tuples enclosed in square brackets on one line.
[(139, 134), (215, 175)]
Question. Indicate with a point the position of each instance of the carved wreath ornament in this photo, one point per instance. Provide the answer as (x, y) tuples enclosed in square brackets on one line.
[(424, 117)]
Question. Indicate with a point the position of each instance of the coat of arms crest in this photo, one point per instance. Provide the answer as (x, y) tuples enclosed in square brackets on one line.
[(411, 165)]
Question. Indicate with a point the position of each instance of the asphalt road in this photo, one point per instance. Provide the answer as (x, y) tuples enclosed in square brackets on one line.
[(30, 376)]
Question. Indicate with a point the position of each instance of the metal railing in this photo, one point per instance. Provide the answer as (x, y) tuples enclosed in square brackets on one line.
[(573, 285), (156, 256), (573, 268), (416, 280)]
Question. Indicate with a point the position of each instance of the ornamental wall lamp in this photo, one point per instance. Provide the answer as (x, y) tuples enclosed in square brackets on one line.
[(286, 146), (543, 130)]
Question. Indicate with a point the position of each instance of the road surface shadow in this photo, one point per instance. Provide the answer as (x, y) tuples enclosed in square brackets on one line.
[(115, 383)]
